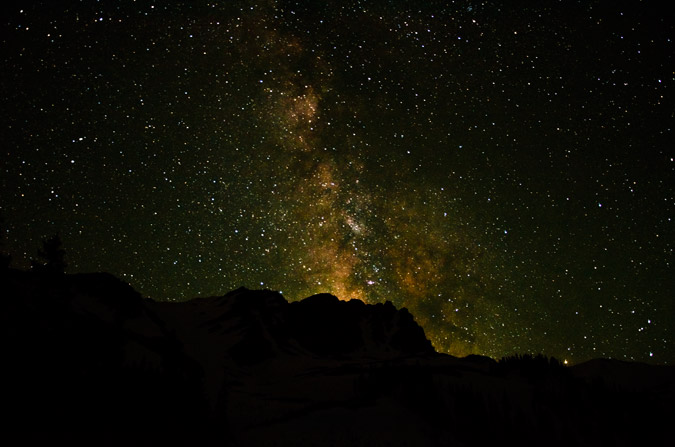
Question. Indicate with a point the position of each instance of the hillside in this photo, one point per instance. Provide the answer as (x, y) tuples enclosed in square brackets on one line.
[(88, 359)]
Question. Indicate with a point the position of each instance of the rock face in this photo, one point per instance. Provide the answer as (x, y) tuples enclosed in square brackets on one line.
[(87, 360), (77, 343), (85, 353), (265, 325)]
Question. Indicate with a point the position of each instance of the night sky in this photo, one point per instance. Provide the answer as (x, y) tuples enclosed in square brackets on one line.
[(502, 169)]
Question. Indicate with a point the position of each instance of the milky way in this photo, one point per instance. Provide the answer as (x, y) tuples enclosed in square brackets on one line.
[(505, 172)]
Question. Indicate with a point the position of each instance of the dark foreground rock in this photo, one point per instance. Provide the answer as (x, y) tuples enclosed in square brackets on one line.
[(87, 360)]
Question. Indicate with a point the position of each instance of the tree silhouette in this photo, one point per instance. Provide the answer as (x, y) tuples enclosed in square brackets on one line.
[(5, 258), (529, 366), (52, 257)]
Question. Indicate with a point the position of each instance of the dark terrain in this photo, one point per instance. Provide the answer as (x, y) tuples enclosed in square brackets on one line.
[(87, 360)]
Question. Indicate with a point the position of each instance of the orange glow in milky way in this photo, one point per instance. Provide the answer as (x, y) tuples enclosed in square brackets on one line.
[(395, 152)]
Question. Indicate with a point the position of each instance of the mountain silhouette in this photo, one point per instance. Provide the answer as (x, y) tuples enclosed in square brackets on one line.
[(88, 360)]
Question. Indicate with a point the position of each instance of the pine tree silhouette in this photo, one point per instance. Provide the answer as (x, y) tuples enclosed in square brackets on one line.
[(5, 257), (52, 257)]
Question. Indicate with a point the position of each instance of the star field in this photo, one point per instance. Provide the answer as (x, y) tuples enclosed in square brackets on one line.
[(502, 170)]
